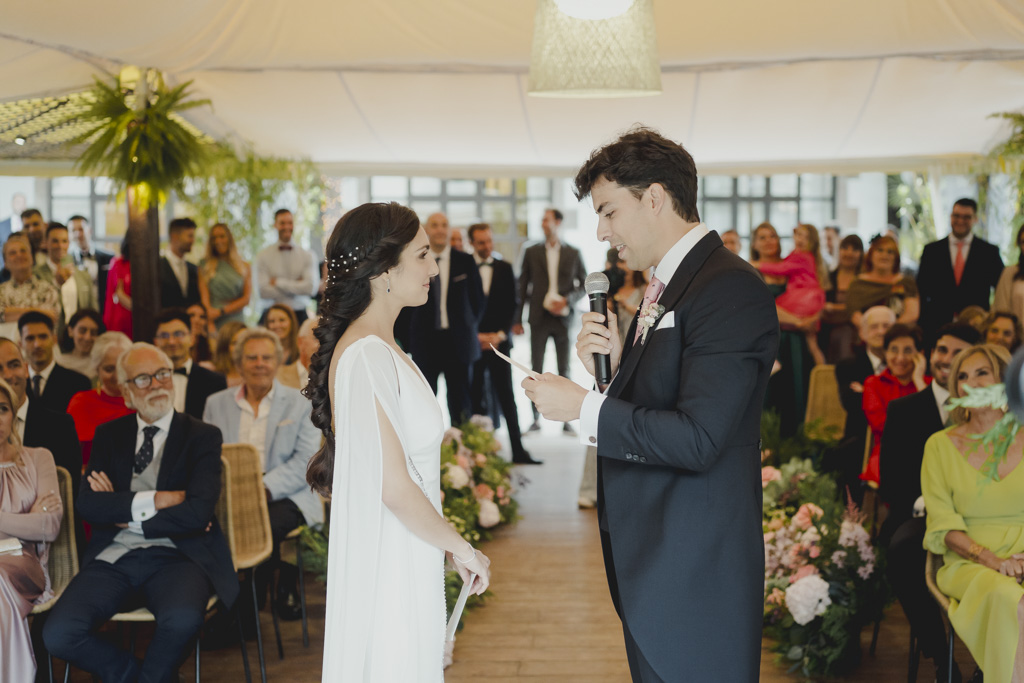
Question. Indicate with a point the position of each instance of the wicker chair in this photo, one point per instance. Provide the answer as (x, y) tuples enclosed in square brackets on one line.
[(823, 400), (243, 514), (932, 564)]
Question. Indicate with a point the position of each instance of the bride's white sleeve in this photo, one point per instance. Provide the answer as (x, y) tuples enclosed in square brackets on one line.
[(365, 377)]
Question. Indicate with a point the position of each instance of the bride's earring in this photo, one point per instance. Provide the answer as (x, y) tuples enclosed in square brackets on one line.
[(388, 281)]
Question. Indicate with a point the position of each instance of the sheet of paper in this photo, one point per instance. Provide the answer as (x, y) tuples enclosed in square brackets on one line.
[(514, 364), (460, 604)]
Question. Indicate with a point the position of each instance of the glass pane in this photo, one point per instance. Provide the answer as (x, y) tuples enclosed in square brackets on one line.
[(498, 187), (783, 216), (63, 209), (426, 187), (538, 188), (507, 248), (521, 228), (717, 186), (99, 223), (423, 209), (749, 215), (461, 188), (815, 185), (349, 193), (499, 215), (751, 185), (115, 222), (387, 188), (102, 186), (817, 212), (461, 214), (784, 185), (70, 186), (718, 215)]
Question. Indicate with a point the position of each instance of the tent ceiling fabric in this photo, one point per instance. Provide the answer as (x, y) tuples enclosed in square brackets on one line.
[(394, 85)]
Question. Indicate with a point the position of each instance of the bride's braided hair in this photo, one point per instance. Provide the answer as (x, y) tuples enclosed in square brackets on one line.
[(367, 241)]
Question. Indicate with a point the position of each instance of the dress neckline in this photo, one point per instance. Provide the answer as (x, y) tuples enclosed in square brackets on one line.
[(412, 367), (963, 459)]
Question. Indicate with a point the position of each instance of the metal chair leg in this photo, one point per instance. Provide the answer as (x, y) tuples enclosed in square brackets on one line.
[(273, 613), (49, 666), (913, 658), (302, 591), (197, 655), (259, 633), (245, 650), (67, 672), (950, 663), (874, 637)]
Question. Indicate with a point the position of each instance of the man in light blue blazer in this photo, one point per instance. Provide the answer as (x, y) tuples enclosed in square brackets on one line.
[(275, 419)]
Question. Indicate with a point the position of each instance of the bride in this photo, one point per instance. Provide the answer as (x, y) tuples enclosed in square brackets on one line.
[(380, 461)]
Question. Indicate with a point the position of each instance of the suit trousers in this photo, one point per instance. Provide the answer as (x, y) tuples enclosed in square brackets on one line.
[(905, 570), (285, 516), (173, 587), (500, 373), (442, 359), (554, 328)]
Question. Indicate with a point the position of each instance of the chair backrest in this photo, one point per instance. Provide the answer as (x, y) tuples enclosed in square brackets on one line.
[(932, 564), (63, 562), (823, 399), (242, 508)]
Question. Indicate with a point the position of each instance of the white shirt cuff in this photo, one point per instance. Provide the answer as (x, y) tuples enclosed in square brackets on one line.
[(143, 507), (136, 527), (589, 412)]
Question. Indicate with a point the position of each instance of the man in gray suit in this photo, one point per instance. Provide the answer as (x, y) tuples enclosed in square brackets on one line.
[(550, 283), (275, 419)]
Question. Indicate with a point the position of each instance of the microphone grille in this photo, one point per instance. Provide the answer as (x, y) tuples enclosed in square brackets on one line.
[(597, 283)]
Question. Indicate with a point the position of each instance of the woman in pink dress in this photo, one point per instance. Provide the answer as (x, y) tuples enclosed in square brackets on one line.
[(805, 286), (117, 309), (30, 515)]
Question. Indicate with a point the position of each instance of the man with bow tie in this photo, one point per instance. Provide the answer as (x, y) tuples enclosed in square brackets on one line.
[(193, 384), (284, 271), (149, 493)]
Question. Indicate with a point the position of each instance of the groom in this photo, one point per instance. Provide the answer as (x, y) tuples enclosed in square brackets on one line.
[(677, 430)]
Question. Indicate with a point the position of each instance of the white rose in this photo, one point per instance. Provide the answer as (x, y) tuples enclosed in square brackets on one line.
[(490, 515), (808, 598), (455, 476), (483, 422)]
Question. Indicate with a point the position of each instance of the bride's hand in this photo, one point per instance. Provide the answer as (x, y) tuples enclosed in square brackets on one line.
[(479, 565)]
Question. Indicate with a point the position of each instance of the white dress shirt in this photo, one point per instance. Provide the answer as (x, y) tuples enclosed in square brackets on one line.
[(45, 374), (876, 362), (144, 503), (486, 269), (941, 396), (252, 426), (664, 271), (293, 272), (444, 266), (180, 383)]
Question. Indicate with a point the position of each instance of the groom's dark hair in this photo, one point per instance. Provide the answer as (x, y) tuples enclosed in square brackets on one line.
[(640, 157)]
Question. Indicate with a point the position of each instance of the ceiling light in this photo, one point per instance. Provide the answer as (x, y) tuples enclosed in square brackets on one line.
[(19, 140), (593, 9)]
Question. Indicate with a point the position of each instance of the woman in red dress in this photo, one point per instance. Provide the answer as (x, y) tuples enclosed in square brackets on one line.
[(117, 310), (90, 409)]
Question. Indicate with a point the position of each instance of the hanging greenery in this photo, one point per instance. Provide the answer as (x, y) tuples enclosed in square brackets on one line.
[(1011, 152), (138, 139)]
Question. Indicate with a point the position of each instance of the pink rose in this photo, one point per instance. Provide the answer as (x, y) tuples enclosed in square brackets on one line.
[(776, 597), (483, 492), (814, 551), (768, 475), (463, 462), (480, 459), (805, 516), (776, 524), (501, 491), (450, 435), (804, 571)]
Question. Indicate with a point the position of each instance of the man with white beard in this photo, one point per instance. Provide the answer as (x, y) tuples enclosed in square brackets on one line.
[(149, 493)]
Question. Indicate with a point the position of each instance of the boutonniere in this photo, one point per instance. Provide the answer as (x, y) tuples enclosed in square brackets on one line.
[(648, 317)]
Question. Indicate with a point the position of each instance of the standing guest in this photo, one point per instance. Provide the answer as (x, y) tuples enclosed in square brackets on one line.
[(830, 249), (30, 511), (838, 333), (225, 280), (117, 307), (882, 284), (50, 383), (442, 333), (285, 270), (24, 292), (677, 429), (192, 384), (33, 227), (308, 344), (1003, 329), (456, 240), (495, 328), (202, 349), (903, 376), (149, 494), (1010, 289), (550, 283), (224, 351), (76, 287), (90, 409), (731, 240), (94, 261), (958, 270), (179, 279), (276, 420), (909, 422), (75, 347)]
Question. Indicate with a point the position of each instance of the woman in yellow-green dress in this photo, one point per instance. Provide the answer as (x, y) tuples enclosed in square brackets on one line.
[(976, 520)]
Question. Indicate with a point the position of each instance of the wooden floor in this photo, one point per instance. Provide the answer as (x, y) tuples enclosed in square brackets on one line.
[(550, 619)]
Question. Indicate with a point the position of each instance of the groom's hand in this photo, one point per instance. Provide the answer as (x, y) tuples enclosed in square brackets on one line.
[(596, 337), (557, 398)]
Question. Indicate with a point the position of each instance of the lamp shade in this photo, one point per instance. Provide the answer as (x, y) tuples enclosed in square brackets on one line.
[(613, 57)]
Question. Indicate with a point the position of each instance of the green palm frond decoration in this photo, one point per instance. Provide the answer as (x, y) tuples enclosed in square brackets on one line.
[(138, 138)]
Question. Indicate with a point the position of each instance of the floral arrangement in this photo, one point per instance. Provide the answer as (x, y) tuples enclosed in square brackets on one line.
[(823, 580)]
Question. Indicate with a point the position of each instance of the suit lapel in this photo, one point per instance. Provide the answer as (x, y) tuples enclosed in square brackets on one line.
[(122, 479), (674, 291), (172, 449), (272, 420)]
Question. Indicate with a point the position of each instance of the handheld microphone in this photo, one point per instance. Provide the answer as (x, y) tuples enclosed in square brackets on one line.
[(597, 286)]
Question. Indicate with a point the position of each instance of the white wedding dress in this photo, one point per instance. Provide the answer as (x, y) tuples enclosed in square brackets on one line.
[(385, 587)]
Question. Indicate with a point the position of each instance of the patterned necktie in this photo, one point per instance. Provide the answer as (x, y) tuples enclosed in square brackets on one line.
[(958, 264), (145, 454), (37, 382), (654, 289)]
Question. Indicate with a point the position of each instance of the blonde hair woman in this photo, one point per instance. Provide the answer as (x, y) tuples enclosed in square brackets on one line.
[(225, 280), (222, 355)]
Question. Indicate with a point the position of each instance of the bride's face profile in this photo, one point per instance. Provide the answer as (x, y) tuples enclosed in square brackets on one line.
[(410, 279)]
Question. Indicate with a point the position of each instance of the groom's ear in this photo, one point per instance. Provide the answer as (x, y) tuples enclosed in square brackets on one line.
[(656, 198)]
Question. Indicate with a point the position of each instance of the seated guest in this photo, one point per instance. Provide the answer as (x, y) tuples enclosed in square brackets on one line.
[(882, 284), (975, 316), (202, 348), (50, 383), (192, 383), (75, 346), (24, 292), (76, 287), (31, 512), (1003, 329), (90, 409), (868, 360), (281, 321), (308, 344), (838, 334), (974, 520), (903, 376), (224, 352), (276, 420), (161, 549)]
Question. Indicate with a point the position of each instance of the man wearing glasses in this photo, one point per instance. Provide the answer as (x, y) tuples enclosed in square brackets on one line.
[(192, 383), (149, 493)]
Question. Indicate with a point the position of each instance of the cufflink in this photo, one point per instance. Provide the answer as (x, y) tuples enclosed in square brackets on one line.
[(593, 439)]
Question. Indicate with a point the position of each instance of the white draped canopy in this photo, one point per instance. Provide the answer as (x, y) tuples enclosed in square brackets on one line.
[(406, 86)]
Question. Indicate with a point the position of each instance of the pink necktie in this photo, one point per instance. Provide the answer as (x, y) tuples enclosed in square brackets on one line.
[(651, 294), (958, 265)]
